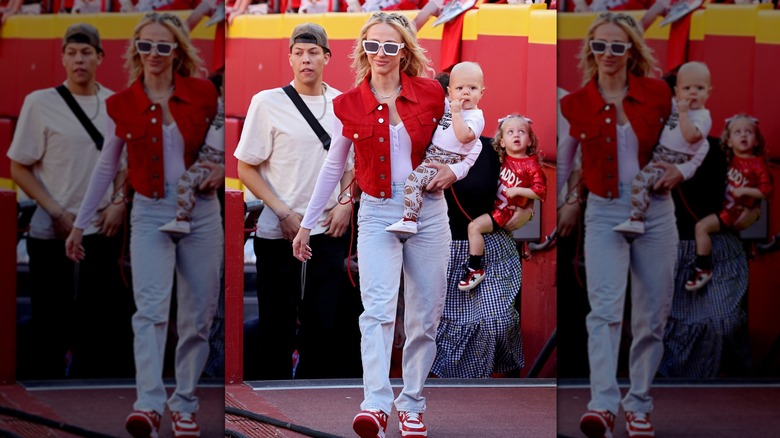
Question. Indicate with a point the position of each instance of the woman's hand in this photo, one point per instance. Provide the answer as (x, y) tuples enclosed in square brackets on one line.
[(215, 179), (568, 215), (111, 218), (670, 178), (290, 225), (301, 248), (520, 217), (351, 264), (444, 178), (338, 219), (73, 248), (747, 218), (63, 224)]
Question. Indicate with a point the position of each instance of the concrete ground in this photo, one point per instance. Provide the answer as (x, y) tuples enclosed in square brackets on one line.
[(688, 409), (98, 406), (456, 409)]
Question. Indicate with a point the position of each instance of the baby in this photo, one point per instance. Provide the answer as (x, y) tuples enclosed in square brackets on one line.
[(456, 137), (683, 141)]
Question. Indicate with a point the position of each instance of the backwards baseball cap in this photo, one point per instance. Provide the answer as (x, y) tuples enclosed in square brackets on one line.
[(310, 33), (82, 33)]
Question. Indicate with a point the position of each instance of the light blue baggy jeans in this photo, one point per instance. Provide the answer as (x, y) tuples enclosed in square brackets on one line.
[(609, 257), (197, 260), (424, 258)]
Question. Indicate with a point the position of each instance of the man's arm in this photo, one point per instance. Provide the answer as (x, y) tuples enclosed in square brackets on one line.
[(288, 219), (23, 176)]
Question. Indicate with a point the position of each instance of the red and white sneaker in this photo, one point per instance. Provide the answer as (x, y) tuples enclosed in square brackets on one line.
[(143, 424), (471, 279), (698, 278), (411, 424), (370, 423), (638, 425), (184, 425), (597, 424)]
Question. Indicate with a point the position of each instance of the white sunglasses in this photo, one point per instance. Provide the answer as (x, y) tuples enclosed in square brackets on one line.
[(616, 48), (390, 48), (162, 48)]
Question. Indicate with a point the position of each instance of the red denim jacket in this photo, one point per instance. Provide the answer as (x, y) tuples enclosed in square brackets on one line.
[(139, 123), (367, 123), (647, 105)]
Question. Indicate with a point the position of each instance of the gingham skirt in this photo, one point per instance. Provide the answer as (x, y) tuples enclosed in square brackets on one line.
[(479, 332), (707, 325)]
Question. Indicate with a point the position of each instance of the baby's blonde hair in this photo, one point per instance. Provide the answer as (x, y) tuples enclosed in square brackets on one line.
[(531, 150), (467, 66)]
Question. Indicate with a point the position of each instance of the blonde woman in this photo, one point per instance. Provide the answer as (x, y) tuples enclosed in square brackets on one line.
[(163, 118), (617, 117), (390, 118)]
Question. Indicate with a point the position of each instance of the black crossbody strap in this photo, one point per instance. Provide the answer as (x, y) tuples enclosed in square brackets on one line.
[(97, 137), (306, 113)]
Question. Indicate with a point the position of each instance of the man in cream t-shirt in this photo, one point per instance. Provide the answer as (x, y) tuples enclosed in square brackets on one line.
[(280, 157), (52, 158)]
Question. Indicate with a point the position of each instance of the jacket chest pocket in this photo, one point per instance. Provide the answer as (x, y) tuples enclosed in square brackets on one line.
[(653, 124), (428, 119), (359, 134), (362, 137), (596, 145), (134, 135), (200, 122), (426, 123), (588, 135)]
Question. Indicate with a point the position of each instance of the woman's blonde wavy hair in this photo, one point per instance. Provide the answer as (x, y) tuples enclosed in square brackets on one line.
[(641, 61), (533, 146), (414, 62), (187, 61)]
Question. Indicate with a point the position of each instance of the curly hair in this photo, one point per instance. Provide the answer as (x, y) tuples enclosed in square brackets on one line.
[(759, 150), (414, 62), (640, 57), (187, 61), (531, 150)]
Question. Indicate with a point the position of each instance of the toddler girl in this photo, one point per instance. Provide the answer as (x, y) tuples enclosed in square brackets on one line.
[(748, 180), (520, 180)]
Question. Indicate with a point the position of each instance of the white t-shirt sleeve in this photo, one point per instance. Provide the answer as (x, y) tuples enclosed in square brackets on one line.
[(702, 120), (102, 177), (330, 174), (215, 136), (254, 146), (29, 142), (688, 169), (475, 120), (461, 169)]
